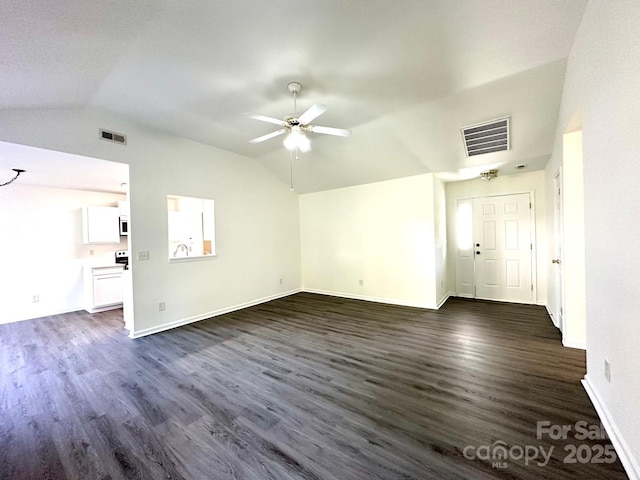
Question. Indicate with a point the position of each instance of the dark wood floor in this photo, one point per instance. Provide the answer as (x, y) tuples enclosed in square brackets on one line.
[(305, 387)]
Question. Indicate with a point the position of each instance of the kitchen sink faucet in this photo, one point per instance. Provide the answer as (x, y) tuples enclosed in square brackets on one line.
[(186, 249)]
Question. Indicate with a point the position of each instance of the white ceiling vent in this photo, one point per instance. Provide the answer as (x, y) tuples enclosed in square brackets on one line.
[(486, 137), (113, 137)]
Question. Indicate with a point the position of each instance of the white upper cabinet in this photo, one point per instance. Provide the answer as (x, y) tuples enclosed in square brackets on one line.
[(123, 207), (100, 225)]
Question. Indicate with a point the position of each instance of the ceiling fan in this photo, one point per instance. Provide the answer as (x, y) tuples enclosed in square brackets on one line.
[(297, 125)]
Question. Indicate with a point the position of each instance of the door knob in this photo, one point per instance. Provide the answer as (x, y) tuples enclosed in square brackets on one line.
[(477, 252), (556, 261), (477, 244)]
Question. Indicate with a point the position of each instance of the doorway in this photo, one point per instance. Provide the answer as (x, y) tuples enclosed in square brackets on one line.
[(558, 310), (44, 274), (495, 248)]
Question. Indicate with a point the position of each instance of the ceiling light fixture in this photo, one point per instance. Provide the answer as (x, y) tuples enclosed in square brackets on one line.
[(296, 125), (297, 139), (18, 172), (488, 175)]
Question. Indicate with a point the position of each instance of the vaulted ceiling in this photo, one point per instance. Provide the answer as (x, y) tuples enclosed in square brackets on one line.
[(403, 75)]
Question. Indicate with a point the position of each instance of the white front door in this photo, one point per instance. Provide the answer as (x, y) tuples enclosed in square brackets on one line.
[(465, 266), (503, 248)]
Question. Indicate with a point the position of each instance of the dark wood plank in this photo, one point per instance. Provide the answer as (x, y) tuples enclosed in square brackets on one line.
[(305, 387)]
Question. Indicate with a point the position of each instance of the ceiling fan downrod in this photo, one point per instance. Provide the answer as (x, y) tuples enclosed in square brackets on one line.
[(297, 125), (295, 88)]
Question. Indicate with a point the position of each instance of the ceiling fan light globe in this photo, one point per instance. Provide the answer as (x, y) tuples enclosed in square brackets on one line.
[(297, 139), (304, 144), (290, 142)]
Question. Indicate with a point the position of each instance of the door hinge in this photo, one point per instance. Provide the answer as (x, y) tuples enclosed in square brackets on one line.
[(532, 287), (531, 246), (529, 205)]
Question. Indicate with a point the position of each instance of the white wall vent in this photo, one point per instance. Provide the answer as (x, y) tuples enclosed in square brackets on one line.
[(487, 137), (113, 137)]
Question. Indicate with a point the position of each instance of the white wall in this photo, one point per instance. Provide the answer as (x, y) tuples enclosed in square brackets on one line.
[(440, 238), (601, 97), (43, 251), (381, 233), (530, 182), (573, 256), (257, 230)]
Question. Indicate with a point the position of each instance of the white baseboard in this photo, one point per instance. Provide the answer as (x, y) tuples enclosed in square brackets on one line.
[(553, 318), (185, 321), (442, 301), (579, 344), (103, 309), (461, 295), (622, 449), (567, 342), (390, 301), (48, 313)]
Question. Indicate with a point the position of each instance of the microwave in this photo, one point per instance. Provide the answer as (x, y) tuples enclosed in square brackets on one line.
[(124, 225)]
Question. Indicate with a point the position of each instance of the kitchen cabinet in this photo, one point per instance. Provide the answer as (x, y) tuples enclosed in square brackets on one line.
[(100, 225), (103, 287), (123, 208)]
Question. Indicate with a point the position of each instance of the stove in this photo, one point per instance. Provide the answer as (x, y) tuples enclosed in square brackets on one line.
[(122, 257)]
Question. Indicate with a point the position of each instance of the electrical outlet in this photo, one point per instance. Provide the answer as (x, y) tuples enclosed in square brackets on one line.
[(143, 255), (361, 282), (91, 252), (35, 298), (607, 370), (162, 307), (281, 282)]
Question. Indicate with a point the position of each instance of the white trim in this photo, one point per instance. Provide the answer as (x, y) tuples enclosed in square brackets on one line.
[(535, 298), (553, 318), (104, 309), (580, 344), (461, 295), (534, 247), (443, 300), (193, 258), (519, 302), (390, 301), (44, 314), (204, 316), (622, 449), (558, 243)]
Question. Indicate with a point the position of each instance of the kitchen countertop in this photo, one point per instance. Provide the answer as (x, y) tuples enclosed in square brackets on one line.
[(101, 263)]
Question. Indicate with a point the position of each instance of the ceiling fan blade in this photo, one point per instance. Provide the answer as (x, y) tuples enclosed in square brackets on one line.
[(340, 132), (268, 136), (264, 118), (313, 112)]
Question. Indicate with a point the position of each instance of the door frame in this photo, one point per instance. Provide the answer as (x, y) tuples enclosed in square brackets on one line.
[(534, 245), (558, 248)]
